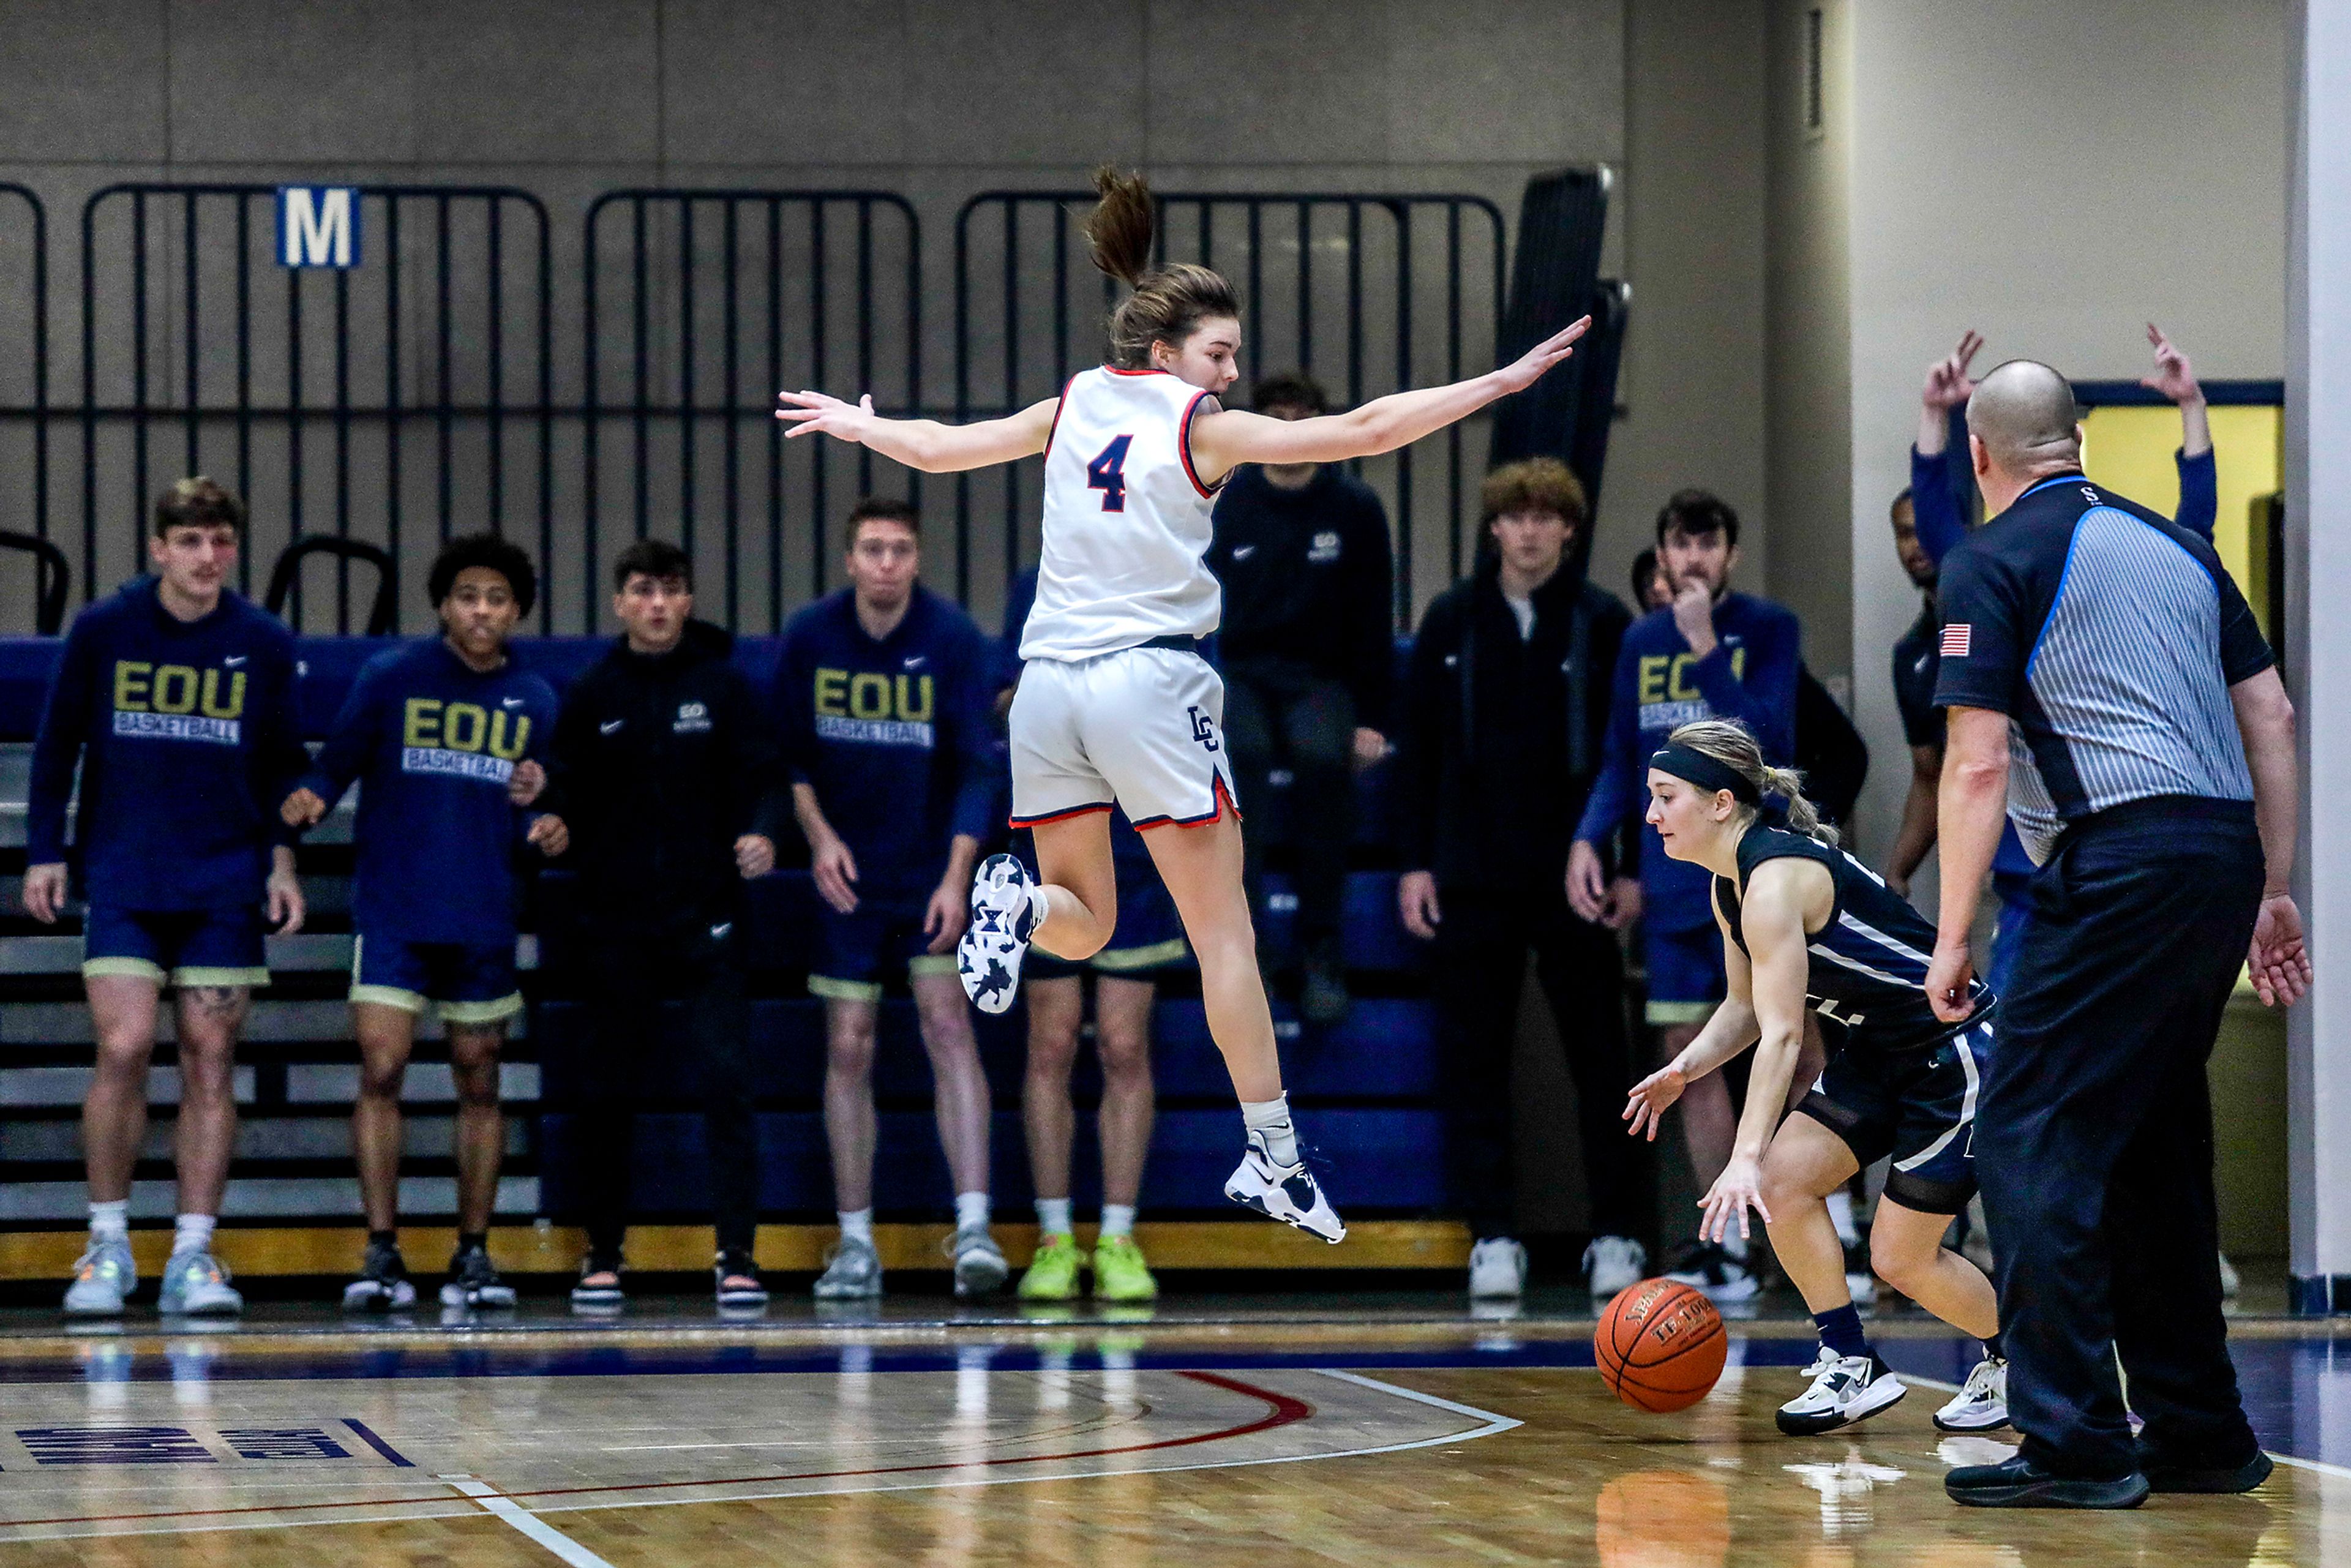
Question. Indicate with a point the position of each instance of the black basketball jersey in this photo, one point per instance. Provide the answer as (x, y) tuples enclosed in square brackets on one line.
[(1868, 963)]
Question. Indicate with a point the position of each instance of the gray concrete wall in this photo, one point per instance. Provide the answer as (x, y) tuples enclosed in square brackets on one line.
[(936, 101)]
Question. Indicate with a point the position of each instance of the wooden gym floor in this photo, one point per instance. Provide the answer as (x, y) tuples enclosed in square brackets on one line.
[(1242, 1432)]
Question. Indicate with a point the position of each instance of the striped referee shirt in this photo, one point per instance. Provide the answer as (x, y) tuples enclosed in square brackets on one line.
[(2110, 638)]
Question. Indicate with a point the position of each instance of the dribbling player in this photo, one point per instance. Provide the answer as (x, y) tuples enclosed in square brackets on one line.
[(1116, 705), (1804, 924)]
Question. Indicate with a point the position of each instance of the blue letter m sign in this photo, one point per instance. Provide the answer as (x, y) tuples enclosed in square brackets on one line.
[(318, 225)]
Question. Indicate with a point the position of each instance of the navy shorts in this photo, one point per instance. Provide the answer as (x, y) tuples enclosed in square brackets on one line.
[(465, 982), (1919, 1106), (182, 946), (1149, 937), (857, 951), (1686, 979)]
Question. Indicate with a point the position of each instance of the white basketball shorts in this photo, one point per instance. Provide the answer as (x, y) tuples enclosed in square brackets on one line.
[(1141, 726)]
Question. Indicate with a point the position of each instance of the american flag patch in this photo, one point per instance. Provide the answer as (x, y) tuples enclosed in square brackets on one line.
[(1955, 639)]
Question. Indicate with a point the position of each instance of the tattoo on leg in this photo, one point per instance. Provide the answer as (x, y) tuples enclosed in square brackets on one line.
[(216, 1001)]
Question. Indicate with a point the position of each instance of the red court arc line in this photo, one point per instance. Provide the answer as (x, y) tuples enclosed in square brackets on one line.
[(1283, 1411)]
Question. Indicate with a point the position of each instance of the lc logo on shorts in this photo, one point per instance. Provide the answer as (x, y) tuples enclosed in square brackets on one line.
[(1204, 728)]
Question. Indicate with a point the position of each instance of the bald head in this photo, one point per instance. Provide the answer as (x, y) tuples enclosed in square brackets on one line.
[(2023, 414)]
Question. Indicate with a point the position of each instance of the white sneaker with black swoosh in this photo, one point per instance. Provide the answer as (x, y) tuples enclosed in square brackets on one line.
[(1003, 915), (1288, 1194), (1845, 1389)]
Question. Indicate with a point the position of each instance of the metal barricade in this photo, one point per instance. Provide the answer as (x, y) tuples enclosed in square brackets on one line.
[(719, 298), (419, 371)]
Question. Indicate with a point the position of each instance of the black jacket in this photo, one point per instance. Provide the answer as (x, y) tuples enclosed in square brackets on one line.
[(661, 762), (1502, 737), (1307, 580)]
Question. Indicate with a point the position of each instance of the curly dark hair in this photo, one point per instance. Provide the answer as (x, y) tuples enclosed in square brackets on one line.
[(501, 556)]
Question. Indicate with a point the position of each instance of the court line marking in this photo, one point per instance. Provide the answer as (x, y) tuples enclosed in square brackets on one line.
[(505, 1509), (423, 1508)]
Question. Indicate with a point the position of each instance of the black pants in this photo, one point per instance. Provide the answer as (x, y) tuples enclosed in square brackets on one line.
[(1281, 715), (628, 979), (2094, 1141), (1482, 955)]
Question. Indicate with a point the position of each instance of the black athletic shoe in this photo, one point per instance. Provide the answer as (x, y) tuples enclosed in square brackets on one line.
[(2167, 1475), (384, 1285), (474, 1281), (736, 1263), (2021, 1483)]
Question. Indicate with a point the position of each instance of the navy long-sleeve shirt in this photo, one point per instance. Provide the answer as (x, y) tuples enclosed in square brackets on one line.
[(185, 731), (892, 734), (1751, 676), (433, 743)]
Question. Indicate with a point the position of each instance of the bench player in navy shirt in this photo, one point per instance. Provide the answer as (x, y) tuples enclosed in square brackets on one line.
[(446, 738), (1805, 925), (1147, 939), (176, 696), (1711, 654), (883, 689)]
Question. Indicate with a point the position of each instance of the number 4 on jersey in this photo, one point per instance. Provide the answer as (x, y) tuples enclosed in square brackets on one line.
[(1107, 473)]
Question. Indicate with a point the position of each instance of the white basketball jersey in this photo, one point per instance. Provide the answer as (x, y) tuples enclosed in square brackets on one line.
[(1126, 519)]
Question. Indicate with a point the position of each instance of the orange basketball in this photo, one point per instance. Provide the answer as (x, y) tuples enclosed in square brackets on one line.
[(1660, 1345)]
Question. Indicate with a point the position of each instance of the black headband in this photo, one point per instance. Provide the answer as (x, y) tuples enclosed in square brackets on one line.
[(1705, 772)]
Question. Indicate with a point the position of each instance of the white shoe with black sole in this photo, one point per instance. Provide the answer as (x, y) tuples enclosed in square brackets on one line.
[(1845, 1389), (1287, 1193), (1003, 915), (979, 1265), (1982, 1404), (1613, 1264), (1498, 1270)]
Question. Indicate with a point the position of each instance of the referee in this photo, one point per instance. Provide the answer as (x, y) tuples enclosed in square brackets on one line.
[(2105, 680)]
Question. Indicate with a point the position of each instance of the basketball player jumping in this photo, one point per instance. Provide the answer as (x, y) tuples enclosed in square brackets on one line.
[(1116, 705), (1804, 924)]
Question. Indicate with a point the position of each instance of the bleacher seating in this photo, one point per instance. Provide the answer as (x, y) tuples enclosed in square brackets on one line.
[(1368, 1081)]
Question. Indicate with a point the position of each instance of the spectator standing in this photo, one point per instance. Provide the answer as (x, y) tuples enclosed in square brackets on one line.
[(1713, 653), (667, 778), (176, 696), (1507, 711), (883, 692), (2104, 682), (449, 735), (1302, 552), (1146, 940)]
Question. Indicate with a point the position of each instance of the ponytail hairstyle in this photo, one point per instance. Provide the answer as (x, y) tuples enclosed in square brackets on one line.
[(1169, 302), (1734, 746)]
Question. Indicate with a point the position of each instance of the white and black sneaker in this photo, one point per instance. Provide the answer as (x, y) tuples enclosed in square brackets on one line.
[(1613, 1264), (474, 1281), (979, 1265), (1712, 1269), (1003, 915), (1982, 1404), (1845, 1389), (1287, 1193), (384, 1285)]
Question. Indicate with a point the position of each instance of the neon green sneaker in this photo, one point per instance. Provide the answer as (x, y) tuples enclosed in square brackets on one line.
[(1052, 1273), (1120, 1273)]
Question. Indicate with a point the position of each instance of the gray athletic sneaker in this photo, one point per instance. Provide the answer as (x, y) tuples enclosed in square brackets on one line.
[(979, 1265), (104, 1277), (853, 1273), (195, 1284)]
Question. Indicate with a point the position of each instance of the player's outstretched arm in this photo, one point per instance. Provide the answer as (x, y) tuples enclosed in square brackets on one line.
[(1226, 439), (924, 443)]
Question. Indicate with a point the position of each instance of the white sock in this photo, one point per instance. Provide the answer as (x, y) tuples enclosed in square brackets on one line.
[(1271, 1118), (1118, 1219), (111, 1221), (1037, 907), (857, 1225), (1053, 1215), (971, 1208), (193, 1233), (1840, 1215)]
